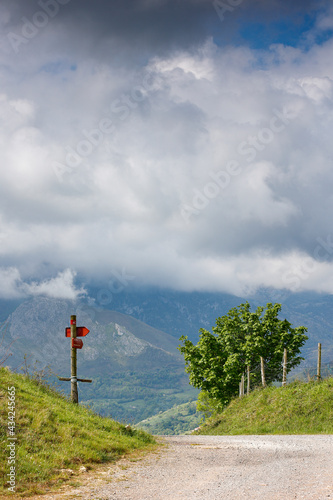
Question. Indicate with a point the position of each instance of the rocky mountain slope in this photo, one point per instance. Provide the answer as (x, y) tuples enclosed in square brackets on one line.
[(136, 369), (183, 313), (37, 329)]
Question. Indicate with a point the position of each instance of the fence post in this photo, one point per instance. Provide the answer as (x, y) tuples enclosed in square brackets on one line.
[(284, 375), (241, 387), (262, 364), (248, 380), (319, 362)]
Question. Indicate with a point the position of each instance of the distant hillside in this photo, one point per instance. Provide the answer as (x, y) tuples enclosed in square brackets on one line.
[(131, 352), (55, 438), (178, 420), (37, 328), (298, 408), (309, 372), (136, 369), (184, 313), (178, 313)]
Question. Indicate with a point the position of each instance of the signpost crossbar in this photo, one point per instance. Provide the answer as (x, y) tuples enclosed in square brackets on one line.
[(68, 379)]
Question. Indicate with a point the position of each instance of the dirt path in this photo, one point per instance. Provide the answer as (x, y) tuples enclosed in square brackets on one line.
[(221, 467)]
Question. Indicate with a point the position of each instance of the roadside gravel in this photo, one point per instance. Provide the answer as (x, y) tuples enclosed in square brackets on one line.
[(221, 467)]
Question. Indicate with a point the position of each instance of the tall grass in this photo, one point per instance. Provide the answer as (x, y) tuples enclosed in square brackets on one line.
[(54, 434), (298, 408)]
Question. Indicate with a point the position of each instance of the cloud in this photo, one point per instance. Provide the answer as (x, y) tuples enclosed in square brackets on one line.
[(124, 31), (196, 166), (60, 287), (10, 281)]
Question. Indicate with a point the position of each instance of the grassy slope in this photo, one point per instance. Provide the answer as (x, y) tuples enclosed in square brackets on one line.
[(176, 420), (54, 434), (298, 408)]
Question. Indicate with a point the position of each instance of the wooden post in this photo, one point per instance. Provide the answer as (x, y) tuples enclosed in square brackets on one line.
[(241, 387), (74, 394), (263, 379), (248, 380), (319, 362), (284, 374), (73, 379)]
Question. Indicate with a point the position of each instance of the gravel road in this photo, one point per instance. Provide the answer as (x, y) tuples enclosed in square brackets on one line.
[(222, 467)]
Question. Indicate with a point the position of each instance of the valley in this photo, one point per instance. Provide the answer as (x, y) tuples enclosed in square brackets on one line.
[(136, 369)]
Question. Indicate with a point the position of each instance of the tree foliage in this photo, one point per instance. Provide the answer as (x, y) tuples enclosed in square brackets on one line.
[(217, 363)]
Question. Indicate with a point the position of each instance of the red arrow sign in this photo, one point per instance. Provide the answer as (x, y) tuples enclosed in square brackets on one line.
[(81, 331), (77, 343)]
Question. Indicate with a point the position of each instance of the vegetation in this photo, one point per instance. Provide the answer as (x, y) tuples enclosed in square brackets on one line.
[(4, 347), (239, 339), (177, 420), (54, 435), (310, 372), (297, 408), (132, 396)]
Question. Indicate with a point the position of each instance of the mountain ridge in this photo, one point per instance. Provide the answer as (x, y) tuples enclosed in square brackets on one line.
[(136, 369)]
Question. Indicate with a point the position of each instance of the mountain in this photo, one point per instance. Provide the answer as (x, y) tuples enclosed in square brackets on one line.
[(37, 327), (184, 313), (178, 313), (136, 369)]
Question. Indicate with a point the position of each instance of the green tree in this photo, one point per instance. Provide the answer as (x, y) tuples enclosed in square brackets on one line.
[(239, 339)]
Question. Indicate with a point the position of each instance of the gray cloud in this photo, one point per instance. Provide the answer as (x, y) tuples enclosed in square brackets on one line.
[(129, 32), (195, 166), (124, 32)]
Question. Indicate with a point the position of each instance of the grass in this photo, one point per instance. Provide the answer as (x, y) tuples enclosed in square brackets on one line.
[(177, 420), (54, 435), (298, 408)]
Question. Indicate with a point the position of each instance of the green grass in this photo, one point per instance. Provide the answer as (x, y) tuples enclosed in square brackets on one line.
[(54, 434), (298, 408), (177, 420)]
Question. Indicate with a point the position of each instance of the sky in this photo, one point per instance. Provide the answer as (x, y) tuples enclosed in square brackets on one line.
[(184, 144)]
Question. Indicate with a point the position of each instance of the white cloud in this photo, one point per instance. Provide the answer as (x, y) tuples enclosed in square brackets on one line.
[(62, 286), (120, 200), (10, 281)]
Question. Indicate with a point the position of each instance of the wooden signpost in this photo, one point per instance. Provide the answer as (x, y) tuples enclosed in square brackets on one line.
[(73, 332)]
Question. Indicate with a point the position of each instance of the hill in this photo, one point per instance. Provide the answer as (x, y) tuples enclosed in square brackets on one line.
[(37, 327), (136, 369), (54, 436), (184, 313), (177, 420), (298, 408)]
